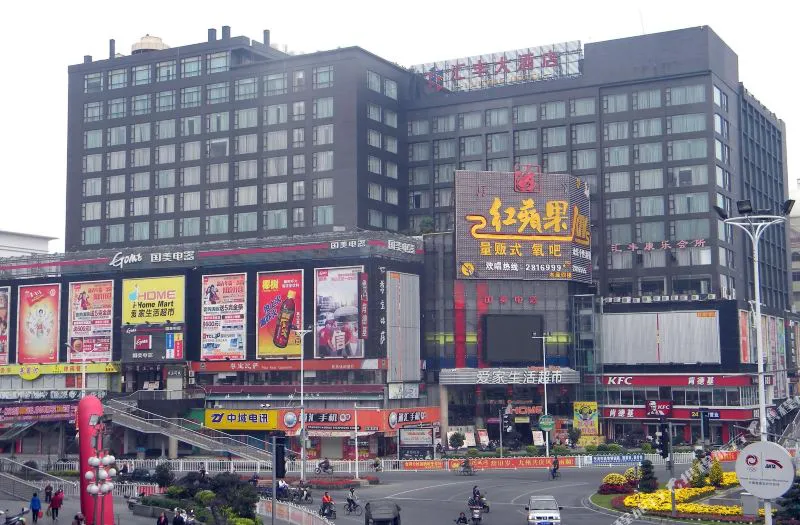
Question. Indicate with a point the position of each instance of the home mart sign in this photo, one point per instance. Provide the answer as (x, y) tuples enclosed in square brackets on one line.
[(618, 459), (508, 376)]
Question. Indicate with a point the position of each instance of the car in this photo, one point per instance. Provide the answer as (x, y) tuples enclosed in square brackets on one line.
[(381, 512), (543, 510)]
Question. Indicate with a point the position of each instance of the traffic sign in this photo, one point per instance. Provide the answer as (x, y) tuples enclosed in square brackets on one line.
[(765, 469), (547, 423)]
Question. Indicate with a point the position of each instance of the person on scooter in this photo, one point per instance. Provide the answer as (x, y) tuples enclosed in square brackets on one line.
[(325, 465), (327, 502), (462, 519), (476, 495), (351, 499), (554, 469), (376, 465), (283, 489), (466, 466)]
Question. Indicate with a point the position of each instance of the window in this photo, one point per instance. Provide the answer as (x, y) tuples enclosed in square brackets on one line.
[(470, 146), (322, 161), (245, 222), (247, 143), (555, 162), (217, 62), (375, 218), (720, 98), (298, 137), (298, 217), (686, 123), (93, 83), (165, 154), (140, 206), (298, 190), (322, 215), (115, 209), (497, 117), (165, 129), (688, 176), (647, 127), (584, 133), (443, 197), (647, 153), (650, 206), (322, 188), (418, 127), (298, 164), (525, 160), (374, 165), (497, 143), (217, 198), (117, 78), (693, 257), (115, 233), (191, 126), (374, 138), (375, 191), (392, 196), (217, 93), (191, 97), (681, 203), (165, 100), (580, 107), (165, 229), (116, 108), (498, 165), (141, 75), (218, 122), (118, 136), (391, 169), (276, 166), (276, 140), (298, 80), (444, 149), (526, 139), (91, 211), (190, 201), (216, 148), (140, 181), (166, 71), (217, 173), (390, 88), (276, 192), (92, 111), (470, 120), (298, 110), (390, 144), (165, 203), (721, 126), (687, 149), (444, 173), (216, 224), (618, 208), (373, 81), (246, 118), (445, 124), (690, 229), (246, 169), (554, 137), (190, 176), (647, 99), (677, 96), (94, 163), (190, 227), (245, 196), (584, 159), (245, 88), (526, 113), (617, 181), (275, 84), (93, 138), (615, 103), (419, 199), (375, 112), (650, 232), (722, 152), (191, 67), (190, 151), (116, 159), (90, 235), (615, 131), (322, 77), (116, 184), (323, 107), (419, 176), (649, 179), (390, 118), (165, 179), (92, 187), (275, 114), (553, 110), (617, 156)]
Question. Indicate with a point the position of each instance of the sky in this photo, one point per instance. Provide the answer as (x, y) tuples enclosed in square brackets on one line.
[(41, 39)]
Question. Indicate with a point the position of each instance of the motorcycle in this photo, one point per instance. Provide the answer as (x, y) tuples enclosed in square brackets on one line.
[(483, 503), (476, 513), (324, 470), (466, 470), (302, 495), (133, 500), (188, 516), (377, 467), (330, 513), (14, 519)]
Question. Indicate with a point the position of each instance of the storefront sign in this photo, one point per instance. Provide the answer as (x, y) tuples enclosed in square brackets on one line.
[(336, 294), (727, 414), (677, 380), (416, 437), (525, 410), (502, 463), (658, 245), (585, 417), (406, 417), (522, 225), (251, 420), (31, 372), (5, 322), (91, 316), (505, 299), (710, 414), (224, 317), (47, 395), (350, 243), (122, 259), (153, 319), (38, 412), (658, 408), (382, 326), (38, 323), (363, 305), (278, 366), (508, 376), (331, 420)]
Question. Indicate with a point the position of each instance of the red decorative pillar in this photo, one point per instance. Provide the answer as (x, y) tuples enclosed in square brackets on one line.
[(90, 407)]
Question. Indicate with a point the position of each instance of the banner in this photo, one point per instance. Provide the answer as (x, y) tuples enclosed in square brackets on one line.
[(363, 305), (5, 322), (31, 413), (436, 464), (499, 463), (224, 317), (91, 315), (336, 300), (244, 419), (744, 337), (279, 313), (585, 418), (153, 319), (38, 323)]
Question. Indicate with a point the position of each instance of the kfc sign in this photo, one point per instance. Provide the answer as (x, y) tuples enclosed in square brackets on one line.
[(656, 408), (619, 380)]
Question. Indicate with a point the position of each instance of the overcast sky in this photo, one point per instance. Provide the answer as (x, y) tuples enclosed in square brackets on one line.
[(40, 39)]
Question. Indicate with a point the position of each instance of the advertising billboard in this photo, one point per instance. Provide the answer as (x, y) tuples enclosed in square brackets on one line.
[(38, 323), (278, 314), (91, 315), (153, 319), (241, 419), (522, 225), (744, 337), (5, 322), (586, 418), (336, 305), (224, 317)]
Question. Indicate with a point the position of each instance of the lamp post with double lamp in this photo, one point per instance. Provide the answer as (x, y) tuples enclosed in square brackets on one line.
[(83, 370), (303, 333), (544, 337), (754, 223)]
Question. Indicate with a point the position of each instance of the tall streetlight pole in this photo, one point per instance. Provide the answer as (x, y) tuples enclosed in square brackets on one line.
[(544, 387), (754, 224), (83, 371), (302, 333)]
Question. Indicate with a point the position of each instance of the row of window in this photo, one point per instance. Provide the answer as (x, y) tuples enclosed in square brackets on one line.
[(627, 260), (378, 84), (657, 231), (653, 179), (208, 225), (653, 206)]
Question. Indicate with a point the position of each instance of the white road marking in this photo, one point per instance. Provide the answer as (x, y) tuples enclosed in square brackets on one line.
[(428, 487), (555, 487)]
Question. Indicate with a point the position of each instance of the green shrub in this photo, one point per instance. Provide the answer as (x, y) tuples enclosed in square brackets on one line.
[(164, 475), (532, 449), (205, 497), (615, 447), (715, 474), (472, 452), (561, 450), (698, 476), (31, 464), (591, 449), (176, 492), (64, 473), (162, 502), (602, 447), (647, 448), (242, 521), (457, 440)]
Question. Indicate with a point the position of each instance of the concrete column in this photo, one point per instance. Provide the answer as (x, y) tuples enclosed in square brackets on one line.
[(126, 441), (163, 444), (61, 439), (443, 409), (173, 447), (479, 408)]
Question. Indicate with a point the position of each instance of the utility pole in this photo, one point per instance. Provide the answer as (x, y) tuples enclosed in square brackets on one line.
[(500, 424), (274, 481)]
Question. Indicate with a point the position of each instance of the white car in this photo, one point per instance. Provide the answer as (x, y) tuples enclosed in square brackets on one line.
[(543, 510)]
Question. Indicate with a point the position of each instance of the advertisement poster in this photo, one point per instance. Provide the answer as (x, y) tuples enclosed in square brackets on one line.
[(91, 314), (336, 300), (416, 437), (744, 337), (278, 314), (38, 323), (153, 319), (224, 317), (585, 417), (5, 322)]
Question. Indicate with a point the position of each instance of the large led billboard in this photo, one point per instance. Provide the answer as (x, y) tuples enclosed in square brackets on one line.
[(153, 319)]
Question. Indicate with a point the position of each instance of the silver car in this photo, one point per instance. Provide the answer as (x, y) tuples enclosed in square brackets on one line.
[(543, 510)]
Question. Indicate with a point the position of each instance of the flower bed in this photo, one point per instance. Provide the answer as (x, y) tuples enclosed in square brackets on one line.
[(660, 500)]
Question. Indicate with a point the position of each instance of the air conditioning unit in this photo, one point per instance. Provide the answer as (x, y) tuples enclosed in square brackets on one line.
[(637, 300), (616, 299), (656, 298), (626, 300), (695, 297), (674, 298), (711, 296), (665, 297), (647, 299), (683, 297), (607, 299)]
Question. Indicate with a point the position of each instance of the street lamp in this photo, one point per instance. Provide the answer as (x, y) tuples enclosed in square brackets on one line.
[(83, 370), (355, 434), (302, 333), (754, 223), (544, 387), (100, 474)]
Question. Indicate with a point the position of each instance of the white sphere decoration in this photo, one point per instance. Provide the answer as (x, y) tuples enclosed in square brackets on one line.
[(93, 489), (89, 475), (105, 488), (110, 486), (107, 460), (94, 461), (111, 459), (112, 472), (102, 474)]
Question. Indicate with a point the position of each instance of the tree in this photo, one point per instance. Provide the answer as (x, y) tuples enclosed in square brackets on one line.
[(715, 474), (698, 476), (164, 475), (790, 502), (574, 435), (426, 225), (457, 440), (648, 482)]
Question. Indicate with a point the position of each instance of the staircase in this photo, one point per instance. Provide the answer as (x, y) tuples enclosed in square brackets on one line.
[(31, 480), (129, 416), (16, 488)]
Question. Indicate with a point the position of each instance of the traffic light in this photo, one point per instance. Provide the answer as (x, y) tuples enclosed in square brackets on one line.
[(279, 458), (663, 445), (507, 427)]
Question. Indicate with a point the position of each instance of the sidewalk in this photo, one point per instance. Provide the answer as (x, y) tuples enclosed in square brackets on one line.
[(122, 516)]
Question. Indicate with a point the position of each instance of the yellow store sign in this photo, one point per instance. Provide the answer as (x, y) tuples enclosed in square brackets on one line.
[(222, 419), (31, 372)]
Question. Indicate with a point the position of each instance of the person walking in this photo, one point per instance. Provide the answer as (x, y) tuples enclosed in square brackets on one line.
[(162, 519), (36, 507), (56, 503), (48, 493)]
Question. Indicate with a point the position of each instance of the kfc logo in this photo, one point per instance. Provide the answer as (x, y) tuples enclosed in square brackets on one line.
[(655, 408), (620, 380)]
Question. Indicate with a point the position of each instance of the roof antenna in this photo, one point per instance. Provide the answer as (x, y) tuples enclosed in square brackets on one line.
[(641, 20)]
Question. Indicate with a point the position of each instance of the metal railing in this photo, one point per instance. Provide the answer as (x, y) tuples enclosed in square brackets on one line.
[(33, 475), (291, 513), (17, 488)]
